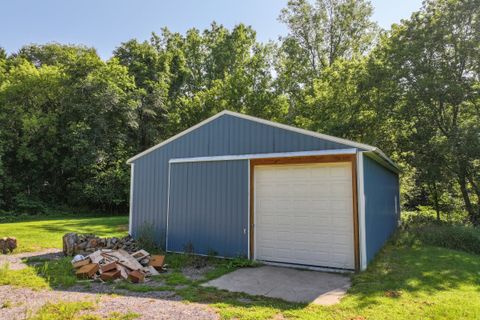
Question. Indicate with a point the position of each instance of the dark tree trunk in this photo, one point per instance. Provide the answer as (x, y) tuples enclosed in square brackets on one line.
[(472, 214)]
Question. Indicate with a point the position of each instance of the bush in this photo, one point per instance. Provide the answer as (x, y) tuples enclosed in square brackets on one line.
[(426, 214), (457, 237)]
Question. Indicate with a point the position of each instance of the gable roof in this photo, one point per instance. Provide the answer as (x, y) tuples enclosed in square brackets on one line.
[(346, 142)]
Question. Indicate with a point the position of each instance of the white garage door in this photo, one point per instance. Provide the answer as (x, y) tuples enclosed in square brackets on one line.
[(304, 214)]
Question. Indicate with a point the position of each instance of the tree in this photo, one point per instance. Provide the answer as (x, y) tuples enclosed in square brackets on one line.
[(63, 113), (149, 70), (319, 34), (434, 59), (330, 29)]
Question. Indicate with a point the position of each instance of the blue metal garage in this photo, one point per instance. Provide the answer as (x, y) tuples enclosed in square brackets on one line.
[(236, 185)]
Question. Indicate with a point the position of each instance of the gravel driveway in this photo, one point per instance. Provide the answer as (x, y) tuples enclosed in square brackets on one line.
[(25, 301), (149, 305)]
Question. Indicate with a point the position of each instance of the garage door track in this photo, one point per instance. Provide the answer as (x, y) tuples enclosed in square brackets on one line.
[(288, 284)]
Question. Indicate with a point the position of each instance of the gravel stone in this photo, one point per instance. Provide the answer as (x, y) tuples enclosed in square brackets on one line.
[(108, 299), (149, 305)]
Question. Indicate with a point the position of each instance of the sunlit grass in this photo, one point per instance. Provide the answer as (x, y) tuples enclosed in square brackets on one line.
[(403, 283), (40, 234), (407, 280)]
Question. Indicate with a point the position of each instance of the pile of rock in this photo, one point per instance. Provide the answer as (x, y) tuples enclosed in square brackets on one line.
[(85, 244)]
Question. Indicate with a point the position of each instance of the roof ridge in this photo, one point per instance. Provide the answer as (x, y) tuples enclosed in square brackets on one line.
[(270, 123)]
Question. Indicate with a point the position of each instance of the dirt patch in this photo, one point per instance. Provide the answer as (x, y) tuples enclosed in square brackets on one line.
[(194, 273), (15, 260)]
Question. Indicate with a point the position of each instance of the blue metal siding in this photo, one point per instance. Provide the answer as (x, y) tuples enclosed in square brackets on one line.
[(226, 135), (382, 207), (208, 207)]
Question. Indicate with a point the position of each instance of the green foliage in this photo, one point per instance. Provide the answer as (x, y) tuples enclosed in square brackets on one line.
[(6, 304), (69, 121), (403, 282), (58, 273), (177, 278), (456, 237), (26, 204), (426, 214), (40, 274), (26, 277), (429, 74), (62, 310), (146, 238)]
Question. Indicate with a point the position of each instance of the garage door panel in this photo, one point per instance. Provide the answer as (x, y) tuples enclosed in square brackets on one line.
[(304, 214)]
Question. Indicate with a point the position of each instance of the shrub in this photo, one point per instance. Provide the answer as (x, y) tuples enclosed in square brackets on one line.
[(457, 237), (426, 214), (146, 238)]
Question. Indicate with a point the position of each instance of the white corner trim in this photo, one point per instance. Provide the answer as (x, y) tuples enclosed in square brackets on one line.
[(130, 214), (168, 208), (248, 219), (361, 212), (255, 177), (263, 121), (265, 155)]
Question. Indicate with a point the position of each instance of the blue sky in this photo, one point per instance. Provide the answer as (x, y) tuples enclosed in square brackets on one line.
[(104, 24)]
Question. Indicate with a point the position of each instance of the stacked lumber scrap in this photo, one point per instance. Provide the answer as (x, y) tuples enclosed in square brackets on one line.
[(110, 265)]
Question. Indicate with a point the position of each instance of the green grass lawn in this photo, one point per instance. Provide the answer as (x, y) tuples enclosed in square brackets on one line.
[(407, 280), (415, 282), (39, 234)]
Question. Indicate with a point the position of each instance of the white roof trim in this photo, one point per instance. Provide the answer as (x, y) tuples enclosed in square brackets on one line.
[(273, 124), (264, 155), (161, 144)]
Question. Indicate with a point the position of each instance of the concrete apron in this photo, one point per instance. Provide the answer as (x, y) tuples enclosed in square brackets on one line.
[(288, 284)]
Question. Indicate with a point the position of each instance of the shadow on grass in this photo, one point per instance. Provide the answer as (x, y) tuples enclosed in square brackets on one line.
[(57, 271), (87, 225), (412, 269)]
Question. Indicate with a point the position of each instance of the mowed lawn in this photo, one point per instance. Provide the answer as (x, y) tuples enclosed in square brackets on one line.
[(47, 233)]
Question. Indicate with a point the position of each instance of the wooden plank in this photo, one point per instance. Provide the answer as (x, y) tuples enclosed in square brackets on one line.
[(96, 256), (252, 208), (356, 242), (108, 267), (136, 276), (87, 271), (140, 254), (123, 271), (122, 257), (110, 275), (157, 261), (150, 270), (81, 263), (304, 159)]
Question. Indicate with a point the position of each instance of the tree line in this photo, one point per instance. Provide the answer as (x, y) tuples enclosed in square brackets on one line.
[(69, 120)]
